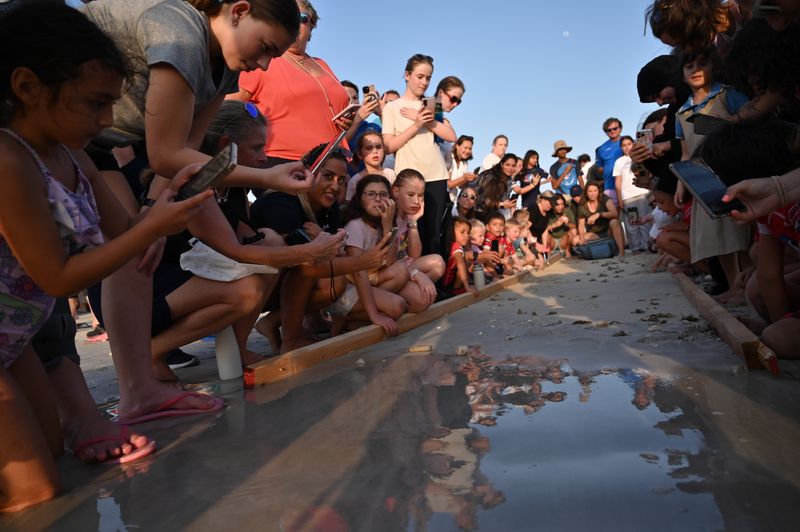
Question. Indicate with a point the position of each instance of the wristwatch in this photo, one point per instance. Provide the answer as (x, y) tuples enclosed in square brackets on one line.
[(412, 225)]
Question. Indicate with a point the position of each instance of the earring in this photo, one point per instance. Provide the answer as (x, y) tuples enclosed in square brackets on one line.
[(235, 22)]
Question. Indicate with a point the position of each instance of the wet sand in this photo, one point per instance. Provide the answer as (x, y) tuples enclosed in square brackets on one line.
[(592, 397)]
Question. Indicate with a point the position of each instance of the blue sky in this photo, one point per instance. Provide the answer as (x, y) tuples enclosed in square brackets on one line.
[(535, 70)]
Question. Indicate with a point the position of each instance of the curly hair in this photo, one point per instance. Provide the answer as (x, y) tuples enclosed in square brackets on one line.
[(762, 60), (690, 24)]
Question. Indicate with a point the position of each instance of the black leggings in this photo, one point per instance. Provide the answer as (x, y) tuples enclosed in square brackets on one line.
[(437, 202)]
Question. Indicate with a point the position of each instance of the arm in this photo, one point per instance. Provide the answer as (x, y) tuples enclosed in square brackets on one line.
[(618, 188), (443, 130), (211, 227), (172, 134), (771, 282), (362, 114), (28, 227), (367, 298), (611, 212), (556, 182), (463, 275), (582, 229), (392, 142)]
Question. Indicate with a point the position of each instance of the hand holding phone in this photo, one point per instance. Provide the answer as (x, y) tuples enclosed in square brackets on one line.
[(348, 113), (211, 174), (392, 237), (706, 187)]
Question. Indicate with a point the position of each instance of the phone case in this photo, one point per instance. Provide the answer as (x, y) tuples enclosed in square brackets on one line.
[(211, 174)]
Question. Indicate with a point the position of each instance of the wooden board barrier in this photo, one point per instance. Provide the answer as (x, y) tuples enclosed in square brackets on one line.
[(291, 363), (739, 338)]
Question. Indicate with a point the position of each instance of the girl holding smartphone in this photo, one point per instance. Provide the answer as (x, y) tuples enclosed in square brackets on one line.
[(412, 140)]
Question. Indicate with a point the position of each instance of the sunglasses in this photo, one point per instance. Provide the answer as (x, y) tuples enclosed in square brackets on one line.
[(455, 100), (609, 130), (468, 196), (249, 108), (305, 18)]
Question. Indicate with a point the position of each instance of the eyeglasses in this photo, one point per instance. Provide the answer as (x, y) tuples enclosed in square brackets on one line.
[(455, 100), (468, 196), (370, 147), (250, 108), (372, 195), (615, 128)]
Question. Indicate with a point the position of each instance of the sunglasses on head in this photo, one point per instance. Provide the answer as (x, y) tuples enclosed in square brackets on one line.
[(249, 108)]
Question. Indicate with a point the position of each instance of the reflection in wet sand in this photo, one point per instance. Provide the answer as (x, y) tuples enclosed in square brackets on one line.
[(455, 443)]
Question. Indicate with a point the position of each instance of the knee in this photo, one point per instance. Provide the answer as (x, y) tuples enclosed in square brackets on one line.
[(247, 294), (437, 268), (751, 291), (780, 339), (396, 307)]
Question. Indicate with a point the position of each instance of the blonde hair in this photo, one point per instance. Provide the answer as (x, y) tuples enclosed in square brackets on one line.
[(513, 222), (477, 224), (521, 215)]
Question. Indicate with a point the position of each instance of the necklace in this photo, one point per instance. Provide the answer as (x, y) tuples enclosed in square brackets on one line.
[(299, 63)]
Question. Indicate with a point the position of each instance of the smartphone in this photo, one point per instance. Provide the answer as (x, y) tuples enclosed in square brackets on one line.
[(348, 112), (430, 103), (392, 238), (645, 136), (706, 124), (317, 164), (706, 187), (211, 174), (370, 94), (297, 237)]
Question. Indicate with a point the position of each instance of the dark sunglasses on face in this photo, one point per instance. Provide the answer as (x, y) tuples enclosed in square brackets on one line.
[(468, 196), (305, 18), (609, 130), (455, 100)]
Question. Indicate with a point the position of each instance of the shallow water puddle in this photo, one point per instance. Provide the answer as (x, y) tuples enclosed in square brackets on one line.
[(437, 443)]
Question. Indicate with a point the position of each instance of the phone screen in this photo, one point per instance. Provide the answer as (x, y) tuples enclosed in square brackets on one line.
[(705, 186), (496, 246), (211, 174)]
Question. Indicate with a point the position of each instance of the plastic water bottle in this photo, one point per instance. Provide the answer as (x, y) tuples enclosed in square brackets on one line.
[(478, 276), (229, 360)]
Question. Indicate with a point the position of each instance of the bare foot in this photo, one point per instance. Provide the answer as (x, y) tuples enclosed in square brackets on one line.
[(734, 296), (296, 343), (99, 428), (163, 373), (145, 397), (269, 327)]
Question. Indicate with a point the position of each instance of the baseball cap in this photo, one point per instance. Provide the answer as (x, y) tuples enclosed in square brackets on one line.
[(576, 190)]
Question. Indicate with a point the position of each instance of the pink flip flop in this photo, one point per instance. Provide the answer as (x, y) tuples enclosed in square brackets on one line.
[(164, 409), (120, 439)]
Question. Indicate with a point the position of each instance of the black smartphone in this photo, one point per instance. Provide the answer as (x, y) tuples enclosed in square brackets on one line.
[(317, 164), (392, 238), (211, 174), (706, 187), (706, 124), (297, 237)]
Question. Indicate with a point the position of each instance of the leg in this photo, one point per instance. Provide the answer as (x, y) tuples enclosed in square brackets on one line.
[(431, 265), (393, 278), (201, 307), (616, 231), (296, 291), (387, 302), (782, 338), (29, 475), (243, 326), (127, 302)]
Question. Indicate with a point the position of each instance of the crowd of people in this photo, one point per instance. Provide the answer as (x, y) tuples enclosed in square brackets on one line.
[(98, 140)]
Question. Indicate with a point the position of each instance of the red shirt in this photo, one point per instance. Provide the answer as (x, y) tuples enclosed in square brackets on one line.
[(783, 224), (504, 243), (299, 108), (451, 271)]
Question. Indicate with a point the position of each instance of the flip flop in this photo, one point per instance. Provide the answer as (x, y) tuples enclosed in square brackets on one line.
[(164, 409), (120, 438)]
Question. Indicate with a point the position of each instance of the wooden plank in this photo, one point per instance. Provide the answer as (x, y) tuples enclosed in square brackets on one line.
[(292, 363), (741, 340)]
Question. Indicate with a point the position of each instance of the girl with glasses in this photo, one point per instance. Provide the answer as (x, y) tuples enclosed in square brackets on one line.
[(372, 295), (412, 140), (370, 150)]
